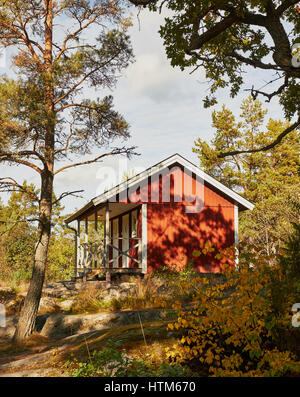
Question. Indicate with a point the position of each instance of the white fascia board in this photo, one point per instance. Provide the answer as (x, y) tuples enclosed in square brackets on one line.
[(166, 163), (132, 181)]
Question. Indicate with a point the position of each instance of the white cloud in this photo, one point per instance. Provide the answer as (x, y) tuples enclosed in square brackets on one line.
[(162, 104)]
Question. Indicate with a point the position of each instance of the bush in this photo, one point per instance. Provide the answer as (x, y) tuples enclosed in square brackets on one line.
[(111, 362), (88, 301), (241, 326)]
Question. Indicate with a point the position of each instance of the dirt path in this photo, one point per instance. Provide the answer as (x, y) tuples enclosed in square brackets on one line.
[(47, 358)]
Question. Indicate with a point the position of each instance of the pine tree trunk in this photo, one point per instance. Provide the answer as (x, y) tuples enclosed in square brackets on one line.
[(26, 323)]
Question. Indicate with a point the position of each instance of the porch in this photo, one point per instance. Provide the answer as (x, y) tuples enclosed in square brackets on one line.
[(111, 237)]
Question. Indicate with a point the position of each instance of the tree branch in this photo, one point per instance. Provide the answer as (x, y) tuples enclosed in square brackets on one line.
[(199, 40), (24, 153), (127, 151), (256, 63), (80, 105), (66, 146), (11, 157), (7, 183), (65, 194), (87, 75), (264, 148), (26, 41), (74, 87), (143, 3), (74, 34), (285, 5), (254, 92)]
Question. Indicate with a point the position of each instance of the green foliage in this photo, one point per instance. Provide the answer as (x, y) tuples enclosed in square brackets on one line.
[(242, 325), (290, 257), (229, 38), (171, 274), (270, 180), (18, 233), (80, 125), (17, 236), (112, 362), (60, 261)]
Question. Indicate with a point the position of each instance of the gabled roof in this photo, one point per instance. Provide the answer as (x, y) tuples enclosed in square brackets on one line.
[(168, 162)]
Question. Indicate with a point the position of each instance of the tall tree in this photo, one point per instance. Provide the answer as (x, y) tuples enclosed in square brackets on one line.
[(231, 37), (60, 47), (270, 181)]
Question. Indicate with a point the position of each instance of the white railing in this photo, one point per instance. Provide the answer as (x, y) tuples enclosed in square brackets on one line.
[(92, 255)]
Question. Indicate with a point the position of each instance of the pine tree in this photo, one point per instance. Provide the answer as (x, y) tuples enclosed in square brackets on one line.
[(270, 181), (60, 47)]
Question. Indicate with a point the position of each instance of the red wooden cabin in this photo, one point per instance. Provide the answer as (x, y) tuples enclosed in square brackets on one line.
[(158, 218)]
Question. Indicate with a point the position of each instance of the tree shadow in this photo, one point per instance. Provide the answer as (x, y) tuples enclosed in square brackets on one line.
[(176, 235)]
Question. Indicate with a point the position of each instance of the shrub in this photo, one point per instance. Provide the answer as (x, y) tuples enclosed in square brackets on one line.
[(87, 301), (240, 326), (111, 362)]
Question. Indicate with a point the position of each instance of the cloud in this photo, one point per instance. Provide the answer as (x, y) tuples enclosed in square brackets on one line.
[(162, 104), (152, 77)]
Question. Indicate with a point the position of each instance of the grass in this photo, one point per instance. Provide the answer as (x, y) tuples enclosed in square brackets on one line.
[(141, 297), (12, 301), (19, 287), (149, 293), (158, 290), (87, 301), (34, 343), (146, 343), (130, 341), (143, 342)]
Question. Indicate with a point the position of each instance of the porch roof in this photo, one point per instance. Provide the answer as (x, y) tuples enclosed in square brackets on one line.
[(88, 211), (100, 200)]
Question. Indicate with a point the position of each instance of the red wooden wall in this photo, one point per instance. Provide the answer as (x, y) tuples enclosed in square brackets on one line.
[(173, 234)]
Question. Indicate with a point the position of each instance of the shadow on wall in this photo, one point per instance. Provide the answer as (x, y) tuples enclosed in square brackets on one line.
[(173, 236)]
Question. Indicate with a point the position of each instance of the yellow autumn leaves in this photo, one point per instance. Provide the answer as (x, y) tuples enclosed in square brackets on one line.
[(232, 327)]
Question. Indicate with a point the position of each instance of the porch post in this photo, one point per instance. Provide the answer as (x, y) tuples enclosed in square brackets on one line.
[(107, 241), (78, 248), (86, 263), (86, 230), (144, 238), (96, 242), (96, 221), (75, 253)]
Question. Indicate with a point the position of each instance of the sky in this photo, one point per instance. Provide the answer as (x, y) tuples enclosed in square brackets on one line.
[(163, 106)]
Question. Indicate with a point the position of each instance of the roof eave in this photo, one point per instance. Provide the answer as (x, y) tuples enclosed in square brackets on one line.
[(240, 201), (82, 210)]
